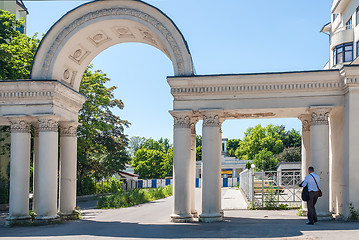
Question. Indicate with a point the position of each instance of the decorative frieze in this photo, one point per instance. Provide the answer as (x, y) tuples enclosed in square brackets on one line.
[(305, 119), (182, 121), (19, 126), (351, 80), (66, 31), (68, 130), (320, 116), (256, 88), (48, 125), (211, 121)]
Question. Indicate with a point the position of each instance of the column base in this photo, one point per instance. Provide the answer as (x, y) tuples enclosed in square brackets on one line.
[(211, 217), (70, 216), (194, 213), (176, 218), (23, 220), (47, 220)]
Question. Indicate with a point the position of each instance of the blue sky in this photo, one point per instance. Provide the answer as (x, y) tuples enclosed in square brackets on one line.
[(227, 36)]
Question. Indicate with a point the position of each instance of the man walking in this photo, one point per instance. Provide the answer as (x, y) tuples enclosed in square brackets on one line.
[(312, 181)]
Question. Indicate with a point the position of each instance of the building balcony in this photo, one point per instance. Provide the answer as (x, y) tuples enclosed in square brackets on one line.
[(341, 35)]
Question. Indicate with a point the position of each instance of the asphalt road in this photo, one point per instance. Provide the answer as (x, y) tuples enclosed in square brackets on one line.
[(151, 221)]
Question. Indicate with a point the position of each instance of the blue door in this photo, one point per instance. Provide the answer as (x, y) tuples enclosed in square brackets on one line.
[(197, 182), (225, 182), (154, 183), (140, 184)]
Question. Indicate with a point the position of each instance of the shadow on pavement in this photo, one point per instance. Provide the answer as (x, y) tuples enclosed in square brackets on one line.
[(230, 228)]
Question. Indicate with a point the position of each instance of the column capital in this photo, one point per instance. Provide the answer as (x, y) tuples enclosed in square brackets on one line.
[(306, 121), (48, 125), (183, 119), (68, 129), (319, 115), (19, 125), (211, 120)]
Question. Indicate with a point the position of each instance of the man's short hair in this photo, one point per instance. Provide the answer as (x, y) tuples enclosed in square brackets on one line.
[(311, 169)]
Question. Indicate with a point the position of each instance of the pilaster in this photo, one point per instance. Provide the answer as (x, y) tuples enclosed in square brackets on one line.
[(319, 134)]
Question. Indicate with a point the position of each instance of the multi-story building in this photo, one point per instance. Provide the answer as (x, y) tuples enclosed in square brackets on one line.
[(18, 8), (343, 30)]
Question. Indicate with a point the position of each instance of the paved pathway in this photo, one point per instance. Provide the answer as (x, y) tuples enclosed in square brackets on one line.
[(151, 221)]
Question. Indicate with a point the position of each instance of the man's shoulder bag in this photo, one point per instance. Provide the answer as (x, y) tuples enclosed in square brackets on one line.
[(319, 191), (305, 194)]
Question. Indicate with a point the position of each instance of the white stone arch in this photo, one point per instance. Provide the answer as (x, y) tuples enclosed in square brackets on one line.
[(81, 34)]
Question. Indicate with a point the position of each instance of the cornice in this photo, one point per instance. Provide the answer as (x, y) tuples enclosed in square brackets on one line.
[(245, 88)]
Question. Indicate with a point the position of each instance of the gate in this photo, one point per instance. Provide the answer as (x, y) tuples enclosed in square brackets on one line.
[(280, 187)]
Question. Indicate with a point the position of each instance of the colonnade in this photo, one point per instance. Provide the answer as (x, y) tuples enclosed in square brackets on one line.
[(315, 152), (184, 161), (45, 169)]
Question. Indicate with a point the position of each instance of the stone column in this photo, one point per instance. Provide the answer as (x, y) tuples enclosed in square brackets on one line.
[(35, 158), (306, 118), (19, 172), (211, 171), (68, 168), (47, 170), (192, 174), (319, 154), (181, 168)]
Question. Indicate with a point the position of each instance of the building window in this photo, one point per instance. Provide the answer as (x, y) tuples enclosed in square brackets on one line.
[(357, 48), (343, 53), (348, 25), (335, 15), (357, 16)]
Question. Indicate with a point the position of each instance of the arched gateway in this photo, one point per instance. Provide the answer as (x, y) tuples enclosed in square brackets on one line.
[(326, 101), (50, 99)]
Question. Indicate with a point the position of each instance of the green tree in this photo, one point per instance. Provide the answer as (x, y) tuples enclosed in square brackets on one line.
[(259, 138), (232, 145), (199, 153), (167, 164), (265, 160), (135, 143), (291, 154), (148, 163), (291, 138), (16, 49), (101, 140)]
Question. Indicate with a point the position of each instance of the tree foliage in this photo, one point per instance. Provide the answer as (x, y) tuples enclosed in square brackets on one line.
[(152, 159), (101, 140), (265, 160), (259, 138), (16, 49), (232, 146), (291, 154)]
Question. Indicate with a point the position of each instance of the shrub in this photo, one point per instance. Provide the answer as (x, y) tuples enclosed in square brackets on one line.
[(123, 199), (354, 215)]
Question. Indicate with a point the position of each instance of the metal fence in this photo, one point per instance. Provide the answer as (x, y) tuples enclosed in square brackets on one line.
[(280, 186)]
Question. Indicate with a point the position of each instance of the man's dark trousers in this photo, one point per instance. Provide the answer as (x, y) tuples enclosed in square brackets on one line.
[(312, 214)]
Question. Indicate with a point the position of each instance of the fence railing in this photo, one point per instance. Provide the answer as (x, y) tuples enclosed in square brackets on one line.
[(282, 186)]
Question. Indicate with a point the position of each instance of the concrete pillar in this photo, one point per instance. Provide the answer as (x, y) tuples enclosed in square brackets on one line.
[(181, 168), (47, 170), (192, 174), (319, 154), (350, 176), (306, 118), (19, 172), (35, 159), (211, 171), (68, 168), (336, 166)]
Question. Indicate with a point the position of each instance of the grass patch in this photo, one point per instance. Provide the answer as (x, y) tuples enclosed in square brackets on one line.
[(134, 197)]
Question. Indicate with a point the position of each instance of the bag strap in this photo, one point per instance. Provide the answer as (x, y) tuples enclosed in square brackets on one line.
[(315, 181)]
